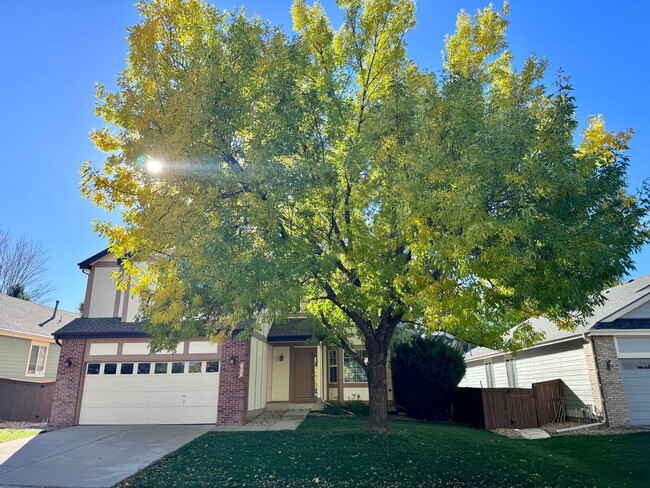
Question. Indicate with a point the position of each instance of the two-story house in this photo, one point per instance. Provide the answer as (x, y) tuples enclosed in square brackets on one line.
[(107, 375)]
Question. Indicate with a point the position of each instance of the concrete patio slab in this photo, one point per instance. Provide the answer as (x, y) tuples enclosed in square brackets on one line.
[(91, 456), (532, 434)]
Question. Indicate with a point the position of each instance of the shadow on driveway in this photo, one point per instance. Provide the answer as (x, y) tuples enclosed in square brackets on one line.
[(90, 456)]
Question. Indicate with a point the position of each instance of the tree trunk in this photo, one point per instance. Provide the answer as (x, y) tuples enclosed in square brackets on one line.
[(377, 387)]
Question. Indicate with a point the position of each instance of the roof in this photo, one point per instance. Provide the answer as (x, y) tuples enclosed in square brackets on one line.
[(100, 327), (623, 324), (294, 329), (22, 316), (617, 298), (86, 263)]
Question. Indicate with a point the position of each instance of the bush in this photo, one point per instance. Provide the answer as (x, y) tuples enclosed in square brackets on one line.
[(334, 409), (426, 372), (358, 408)]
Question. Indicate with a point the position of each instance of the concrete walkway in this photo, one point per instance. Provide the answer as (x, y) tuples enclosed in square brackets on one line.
[(89, 456), (533, 434), (290, 421)]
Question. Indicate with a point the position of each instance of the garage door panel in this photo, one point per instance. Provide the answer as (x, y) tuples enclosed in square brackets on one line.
[(635, 374), (179, 398)]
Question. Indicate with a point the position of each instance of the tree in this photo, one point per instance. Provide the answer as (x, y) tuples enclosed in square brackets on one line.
[(18, 291), (426, 372), (23, 264), (329, 172)]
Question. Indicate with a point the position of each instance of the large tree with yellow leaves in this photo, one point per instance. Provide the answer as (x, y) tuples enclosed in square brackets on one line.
[(328, 172)]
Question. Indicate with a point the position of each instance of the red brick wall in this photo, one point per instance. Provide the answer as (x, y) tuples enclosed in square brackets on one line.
[(610, 379), (68, 383), (233, 382)]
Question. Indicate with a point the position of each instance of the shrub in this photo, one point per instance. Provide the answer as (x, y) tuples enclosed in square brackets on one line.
[(334, 409), (426, 372), (358, 408)]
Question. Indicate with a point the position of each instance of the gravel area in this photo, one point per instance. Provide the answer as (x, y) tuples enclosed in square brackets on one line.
[(6, 424), (552, 430), (596, 430), (266, 418)]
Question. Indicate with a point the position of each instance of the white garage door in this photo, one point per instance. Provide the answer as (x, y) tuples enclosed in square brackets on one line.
[(182, 392), (636, 383)]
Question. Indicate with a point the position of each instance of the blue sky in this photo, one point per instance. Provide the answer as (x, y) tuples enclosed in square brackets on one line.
[(54, 52)]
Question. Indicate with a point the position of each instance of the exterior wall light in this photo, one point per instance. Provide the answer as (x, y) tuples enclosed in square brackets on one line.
[(68, 363), (281, 358), (232, 359)]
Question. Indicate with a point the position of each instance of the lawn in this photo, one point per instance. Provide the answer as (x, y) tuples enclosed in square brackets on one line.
[(11, 434), (335, 452)]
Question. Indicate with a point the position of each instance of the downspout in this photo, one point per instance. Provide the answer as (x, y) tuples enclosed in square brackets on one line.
[(56, 306), (600, 389)]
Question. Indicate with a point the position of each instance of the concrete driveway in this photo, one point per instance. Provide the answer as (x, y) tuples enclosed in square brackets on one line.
[(89, 456)]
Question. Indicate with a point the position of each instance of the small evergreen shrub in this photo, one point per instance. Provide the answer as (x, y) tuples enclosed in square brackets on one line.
[(426, 372)]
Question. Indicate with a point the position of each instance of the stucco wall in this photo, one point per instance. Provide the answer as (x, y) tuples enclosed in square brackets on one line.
[(280, 374)]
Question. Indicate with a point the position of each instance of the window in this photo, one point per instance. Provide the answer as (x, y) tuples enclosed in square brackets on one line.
[(160, 368), (92, 368), (511, 370), (110, 368), (332, 363), (352, 371), (178, 368), (144, 368), (212, 367), (126, 368), (194, 367), (489, 374), (37, 356)]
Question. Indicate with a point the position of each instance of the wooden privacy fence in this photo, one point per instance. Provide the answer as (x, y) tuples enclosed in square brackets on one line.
[(518, 408), (25, 400)]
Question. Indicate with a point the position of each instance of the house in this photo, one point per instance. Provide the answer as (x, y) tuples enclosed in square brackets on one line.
[(604, 363), (27, 349), (107, 374)]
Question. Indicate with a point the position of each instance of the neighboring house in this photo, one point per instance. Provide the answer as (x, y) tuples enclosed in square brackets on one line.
[(27, 349), (108, 376), (604, 364)]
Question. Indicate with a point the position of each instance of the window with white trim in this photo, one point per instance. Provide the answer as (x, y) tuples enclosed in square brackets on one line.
[(352, 370), (37, 360), (332, 364), (489, 374), (511, 371)]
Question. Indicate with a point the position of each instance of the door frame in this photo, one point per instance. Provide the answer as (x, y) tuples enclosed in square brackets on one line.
[(292, 372)]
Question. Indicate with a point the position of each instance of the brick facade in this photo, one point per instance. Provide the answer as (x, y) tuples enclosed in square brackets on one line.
[(233, 382), (68, 383), (593, 378), (610, 379)]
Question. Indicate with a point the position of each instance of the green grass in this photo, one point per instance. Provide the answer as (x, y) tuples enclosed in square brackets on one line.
[(11, 434), (336, 452)]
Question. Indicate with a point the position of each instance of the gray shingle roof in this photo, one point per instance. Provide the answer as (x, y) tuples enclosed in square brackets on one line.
[(617, 297), (100, 327), (18, 315), (294, 328), (623, 324)]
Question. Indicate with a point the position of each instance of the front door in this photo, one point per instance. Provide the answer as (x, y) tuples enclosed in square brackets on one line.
[(303, 385)]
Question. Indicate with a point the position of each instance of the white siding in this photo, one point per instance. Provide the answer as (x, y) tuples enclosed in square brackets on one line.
[(102, 294), (565, 361), (641, 312), (258, 375)]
